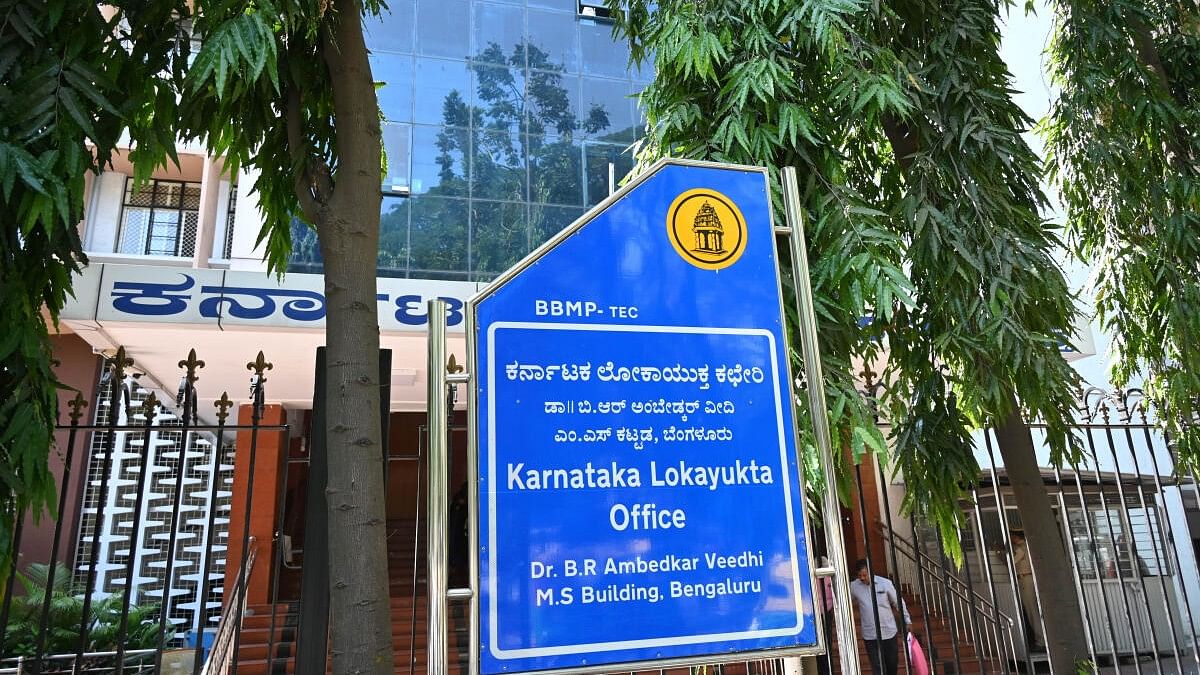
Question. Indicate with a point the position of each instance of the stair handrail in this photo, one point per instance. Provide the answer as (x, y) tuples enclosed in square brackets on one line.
[(221, 656), (957, 585), (1000, 642)]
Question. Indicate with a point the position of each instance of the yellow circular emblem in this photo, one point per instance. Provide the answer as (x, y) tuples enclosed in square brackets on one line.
[(706, 228)]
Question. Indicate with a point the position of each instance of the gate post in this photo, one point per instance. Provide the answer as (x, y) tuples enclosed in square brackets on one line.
[(847, 647), (271, 451), (438, 516)]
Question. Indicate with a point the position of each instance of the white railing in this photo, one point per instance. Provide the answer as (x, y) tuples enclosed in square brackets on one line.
[(136, 661), (947, 598)]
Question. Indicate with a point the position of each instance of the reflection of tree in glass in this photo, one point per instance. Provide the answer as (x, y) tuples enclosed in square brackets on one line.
[(393, 237), (519, 142), (306, 254)]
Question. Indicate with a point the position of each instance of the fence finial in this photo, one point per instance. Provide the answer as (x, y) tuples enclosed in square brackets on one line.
[(149, 405), (260, 365), (77, 405), (191, 364), (223, 405)]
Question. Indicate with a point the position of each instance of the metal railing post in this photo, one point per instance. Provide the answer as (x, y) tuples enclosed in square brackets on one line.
[(844, 619), (438, 516)]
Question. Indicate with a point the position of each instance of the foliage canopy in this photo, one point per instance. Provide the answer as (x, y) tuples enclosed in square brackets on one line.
[(922, 200), (1124, 145), (72, 81)]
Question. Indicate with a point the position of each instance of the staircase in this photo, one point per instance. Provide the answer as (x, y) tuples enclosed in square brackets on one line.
[(409, 615), (937, 631), (954, 623)]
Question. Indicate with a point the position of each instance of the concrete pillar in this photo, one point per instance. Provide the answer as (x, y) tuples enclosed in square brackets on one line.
[(88, 183), (269, 457), (104, 218), (210, 189)]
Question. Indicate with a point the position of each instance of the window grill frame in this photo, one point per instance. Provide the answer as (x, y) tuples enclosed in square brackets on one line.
[(230, 217), (156, 206)]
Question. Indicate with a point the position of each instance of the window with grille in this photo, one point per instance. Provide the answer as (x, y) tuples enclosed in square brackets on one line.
[(227, 248), (160, 218)]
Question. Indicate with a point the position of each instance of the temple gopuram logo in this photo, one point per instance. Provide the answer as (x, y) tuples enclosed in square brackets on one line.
[(706, 228)]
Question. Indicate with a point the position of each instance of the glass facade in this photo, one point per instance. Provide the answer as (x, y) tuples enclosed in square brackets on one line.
[(500, 120)]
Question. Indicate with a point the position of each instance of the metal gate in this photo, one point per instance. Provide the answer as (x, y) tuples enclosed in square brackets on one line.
[(140, 583)]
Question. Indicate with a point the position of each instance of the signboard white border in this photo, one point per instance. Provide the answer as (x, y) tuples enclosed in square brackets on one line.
[(493, 588)]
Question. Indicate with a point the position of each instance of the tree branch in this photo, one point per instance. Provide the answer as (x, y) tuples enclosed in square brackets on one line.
[(355, 106), (303, 185), (903, 140), (1147, 54)]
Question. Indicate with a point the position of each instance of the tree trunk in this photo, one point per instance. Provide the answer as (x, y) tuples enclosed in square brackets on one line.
[(348, 230), (1052, 569)]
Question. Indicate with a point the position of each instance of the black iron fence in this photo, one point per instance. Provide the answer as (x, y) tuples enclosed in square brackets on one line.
[(1126, 517), (133, 578)]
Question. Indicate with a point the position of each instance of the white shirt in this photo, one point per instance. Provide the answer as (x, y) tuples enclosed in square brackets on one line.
[(888, 601)]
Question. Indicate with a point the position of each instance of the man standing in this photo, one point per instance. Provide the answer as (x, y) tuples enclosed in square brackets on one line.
[(1029, 599), (873, 597)]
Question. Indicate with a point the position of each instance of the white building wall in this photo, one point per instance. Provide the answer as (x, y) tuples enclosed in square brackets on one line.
[(248, 221)]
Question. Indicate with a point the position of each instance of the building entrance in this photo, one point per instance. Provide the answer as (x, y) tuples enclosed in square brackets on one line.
[(294, 614)]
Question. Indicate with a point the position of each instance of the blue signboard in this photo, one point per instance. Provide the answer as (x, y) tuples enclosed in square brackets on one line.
[(639, 496)]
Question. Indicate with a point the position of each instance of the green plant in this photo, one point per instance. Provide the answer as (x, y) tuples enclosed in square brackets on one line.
[(66, 614)]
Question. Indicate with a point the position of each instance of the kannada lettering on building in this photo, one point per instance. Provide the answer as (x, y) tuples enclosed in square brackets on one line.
[(639, 492), (140, 293)]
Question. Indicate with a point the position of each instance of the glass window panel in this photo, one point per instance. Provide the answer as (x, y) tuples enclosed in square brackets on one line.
[(498, 170), (439, 160), (143, 196), (571, 6), (639, 115), (444, 28), (133, 229), (597, 158), (306, 254), (546, 221), (499, 33), (393, 237), (443, 89), (555, 174), (191, 197), (601, 54), (554, 41), (553, 106), (392, 30), (438, 237), (643, 72), (608, 109), (395, 96), (499, 236), (397, 145), (166, 194), (500, 98)]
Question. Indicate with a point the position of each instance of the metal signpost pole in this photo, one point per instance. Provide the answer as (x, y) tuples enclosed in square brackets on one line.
[(438, 519), (847, 649)]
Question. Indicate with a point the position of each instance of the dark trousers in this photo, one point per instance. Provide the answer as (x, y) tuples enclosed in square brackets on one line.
[(890, 661)]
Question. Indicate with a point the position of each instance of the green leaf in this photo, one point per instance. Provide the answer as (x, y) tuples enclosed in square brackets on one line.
[(70, 101)]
